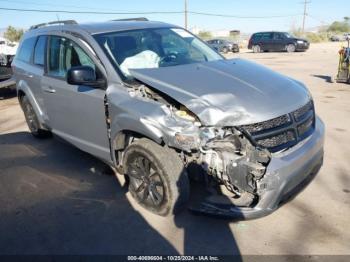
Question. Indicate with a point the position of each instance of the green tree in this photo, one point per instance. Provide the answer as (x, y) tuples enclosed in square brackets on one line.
[(13, 34), (340, 26)]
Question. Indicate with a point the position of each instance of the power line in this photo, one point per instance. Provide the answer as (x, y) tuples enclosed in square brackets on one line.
[(89, 12), (59, 5), (243, 17), (144, 13)]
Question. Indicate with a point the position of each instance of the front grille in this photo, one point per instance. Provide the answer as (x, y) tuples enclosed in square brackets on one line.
[(284, 131), (266, 125), (302, 112), (277, 140)]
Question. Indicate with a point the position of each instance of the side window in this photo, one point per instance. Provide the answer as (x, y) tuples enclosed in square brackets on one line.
[(64, 54), (26, 49), (266, 36), (256, 37), (39, 51), (277, 36)]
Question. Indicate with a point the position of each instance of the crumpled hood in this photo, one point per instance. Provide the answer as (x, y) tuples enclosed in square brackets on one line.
[(227, 92)]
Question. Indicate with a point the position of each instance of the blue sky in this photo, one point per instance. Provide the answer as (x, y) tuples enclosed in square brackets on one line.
[(321, 11)]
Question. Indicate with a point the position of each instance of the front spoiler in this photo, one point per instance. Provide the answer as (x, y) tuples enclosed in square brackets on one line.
[(287, 174)]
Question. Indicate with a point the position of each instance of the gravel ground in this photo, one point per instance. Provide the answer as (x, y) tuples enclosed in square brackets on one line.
[(56, 199)]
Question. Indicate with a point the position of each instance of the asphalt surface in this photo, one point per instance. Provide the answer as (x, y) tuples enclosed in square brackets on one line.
[(56, 199)]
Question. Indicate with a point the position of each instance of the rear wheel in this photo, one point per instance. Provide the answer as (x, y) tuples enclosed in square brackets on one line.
[(157, 178), (290, 48), (32, 119), (256, 49)]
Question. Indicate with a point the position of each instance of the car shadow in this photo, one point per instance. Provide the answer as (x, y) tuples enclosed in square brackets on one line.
[(328, 79), (56, 199)]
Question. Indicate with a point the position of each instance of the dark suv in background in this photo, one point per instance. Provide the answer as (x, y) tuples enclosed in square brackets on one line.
[(276, 41)]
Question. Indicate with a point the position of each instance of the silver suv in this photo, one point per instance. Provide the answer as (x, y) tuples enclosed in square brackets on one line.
[(160, 106)]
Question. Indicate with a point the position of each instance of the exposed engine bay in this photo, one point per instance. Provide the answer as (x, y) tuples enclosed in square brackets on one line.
[(231, 158)]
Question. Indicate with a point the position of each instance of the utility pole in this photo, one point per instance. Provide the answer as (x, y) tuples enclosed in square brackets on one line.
[(186, 12), (305, 14)]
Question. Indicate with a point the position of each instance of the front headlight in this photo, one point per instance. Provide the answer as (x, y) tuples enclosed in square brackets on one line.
[(300, 42), (184, 113)]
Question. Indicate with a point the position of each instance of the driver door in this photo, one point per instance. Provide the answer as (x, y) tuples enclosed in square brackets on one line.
[(75, 112)]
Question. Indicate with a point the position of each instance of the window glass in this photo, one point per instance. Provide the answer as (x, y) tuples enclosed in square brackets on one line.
[(154, 48), (65, 54), (266, 36), (39, 51), (25, 52), (288, 35), (256, 36), (277, 36)]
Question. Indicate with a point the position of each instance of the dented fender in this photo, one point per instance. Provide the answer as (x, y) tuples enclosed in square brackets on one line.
[(143, 116)]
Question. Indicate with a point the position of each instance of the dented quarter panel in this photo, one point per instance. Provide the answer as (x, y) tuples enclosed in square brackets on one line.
[(227, 92)]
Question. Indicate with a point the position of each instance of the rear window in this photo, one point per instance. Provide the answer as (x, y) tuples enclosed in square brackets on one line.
[(256, 36), (39, 51), (26, 50)]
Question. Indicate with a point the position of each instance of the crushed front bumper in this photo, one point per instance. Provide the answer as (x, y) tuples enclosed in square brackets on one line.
[(286, 175)]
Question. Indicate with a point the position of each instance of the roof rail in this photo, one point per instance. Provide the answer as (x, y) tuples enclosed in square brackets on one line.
[(132, 19), (64, 22)]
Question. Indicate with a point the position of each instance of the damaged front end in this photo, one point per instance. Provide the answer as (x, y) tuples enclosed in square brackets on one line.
[(233, 166), (230, 164), (246, 169)]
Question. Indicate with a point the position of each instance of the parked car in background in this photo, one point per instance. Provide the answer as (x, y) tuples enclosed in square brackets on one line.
[(335, 38), (276, 41), (7, 53), (159, 105), (224, 46)]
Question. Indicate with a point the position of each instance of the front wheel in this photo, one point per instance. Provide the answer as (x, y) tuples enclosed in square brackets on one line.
[(290, 48), (157, 178)]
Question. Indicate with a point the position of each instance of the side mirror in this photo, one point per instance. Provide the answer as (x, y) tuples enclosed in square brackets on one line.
[(84, 75)]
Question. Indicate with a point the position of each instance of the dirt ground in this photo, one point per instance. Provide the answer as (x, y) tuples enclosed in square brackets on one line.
[(55, 199)]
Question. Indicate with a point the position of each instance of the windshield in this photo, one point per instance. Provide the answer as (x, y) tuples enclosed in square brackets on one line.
[(288, 35), (154, 48)]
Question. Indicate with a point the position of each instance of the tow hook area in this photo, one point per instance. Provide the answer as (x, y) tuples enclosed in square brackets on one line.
[(233, 167)]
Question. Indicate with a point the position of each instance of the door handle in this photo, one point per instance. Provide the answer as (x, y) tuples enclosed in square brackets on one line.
[(49, 90)]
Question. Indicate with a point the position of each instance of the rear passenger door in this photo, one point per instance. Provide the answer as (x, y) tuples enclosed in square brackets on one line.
[(76, 112)]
